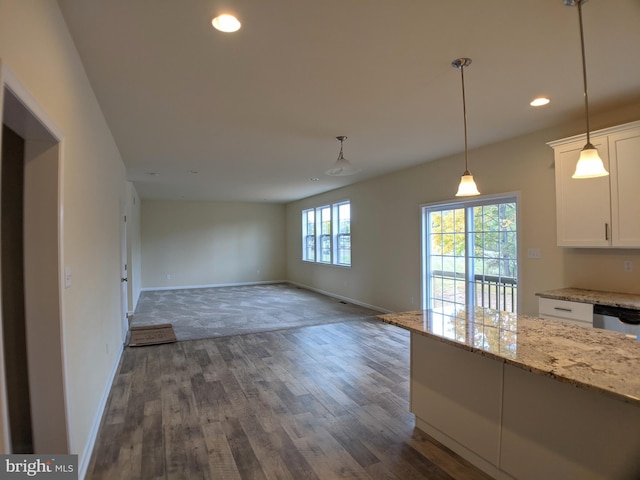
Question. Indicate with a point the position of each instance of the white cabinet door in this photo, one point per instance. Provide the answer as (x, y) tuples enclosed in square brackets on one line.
[(459, 394), (583, 206), (624, 156)]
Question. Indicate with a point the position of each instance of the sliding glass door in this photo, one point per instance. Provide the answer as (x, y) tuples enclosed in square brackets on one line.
[(470, 255)]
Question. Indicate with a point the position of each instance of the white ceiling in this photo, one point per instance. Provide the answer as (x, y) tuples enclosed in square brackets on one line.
[(256, 112)]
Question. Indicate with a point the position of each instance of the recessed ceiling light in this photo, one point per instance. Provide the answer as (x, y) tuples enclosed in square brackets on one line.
[(538, 102), (226, 23)]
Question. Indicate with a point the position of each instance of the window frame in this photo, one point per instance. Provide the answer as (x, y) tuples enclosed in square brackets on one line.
[(323, 238), (326, 246), (484, 200), (306, 237), (338, 236)]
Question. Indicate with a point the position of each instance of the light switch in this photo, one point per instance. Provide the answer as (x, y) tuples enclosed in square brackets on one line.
[(533, 253)]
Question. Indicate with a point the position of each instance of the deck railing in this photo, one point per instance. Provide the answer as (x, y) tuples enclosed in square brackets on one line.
[(496, 292), (491, 291)]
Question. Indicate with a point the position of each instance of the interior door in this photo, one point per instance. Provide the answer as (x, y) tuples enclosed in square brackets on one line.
[(124, 276)]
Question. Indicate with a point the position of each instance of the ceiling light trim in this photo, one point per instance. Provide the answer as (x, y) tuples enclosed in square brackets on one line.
[(540, 102), (226, 23)]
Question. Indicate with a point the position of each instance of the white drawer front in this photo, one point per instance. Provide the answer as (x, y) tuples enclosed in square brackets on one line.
[(550, 307)]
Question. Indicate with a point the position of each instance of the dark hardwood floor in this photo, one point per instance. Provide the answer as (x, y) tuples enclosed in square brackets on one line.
[(320, 402)]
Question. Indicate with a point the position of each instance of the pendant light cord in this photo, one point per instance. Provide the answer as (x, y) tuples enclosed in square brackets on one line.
[(464, 116), (584, 70)]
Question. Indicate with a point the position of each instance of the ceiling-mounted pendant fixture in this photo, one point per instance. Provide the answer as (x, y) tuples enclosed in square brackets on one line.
[(589, 164), (467, 186), (342, 167)]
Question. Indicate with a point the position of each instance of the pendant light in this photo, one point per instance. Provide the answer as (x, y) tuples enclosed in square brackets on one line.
[(467, 186), (589, 164), (342, 167)]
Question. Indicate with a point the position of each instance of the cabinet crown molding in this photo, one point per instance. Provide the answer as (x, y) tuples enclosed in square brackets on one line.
[(595, 133)]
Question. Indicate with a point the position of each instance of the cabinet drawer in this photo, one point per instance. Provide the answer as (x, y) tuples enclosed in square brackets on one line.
[(582, 312)]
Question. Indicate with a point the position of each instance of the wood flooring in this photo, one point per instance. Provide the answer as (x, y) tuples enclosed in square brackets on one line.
[(321, 402)]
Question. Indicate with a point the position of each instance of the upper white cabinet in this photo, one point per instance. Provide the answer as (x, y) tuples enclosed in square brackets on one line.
[(603, 211), (624, 158)]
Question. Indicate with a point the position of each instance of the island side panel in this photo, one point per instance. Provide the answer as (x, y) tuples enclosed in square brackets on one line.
[(554, 430), (459, 394)]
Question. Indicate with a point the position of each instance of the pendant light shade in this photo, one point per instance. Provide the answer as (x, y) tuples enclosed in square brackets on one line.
[(342, 167), (467, 185), (589, 164)]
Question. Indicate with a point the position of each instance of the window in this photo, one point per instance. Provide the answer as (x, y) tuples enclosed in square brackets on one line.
[(342, 247), (309, 235), (324, 237), (470, 255), (326, 234)]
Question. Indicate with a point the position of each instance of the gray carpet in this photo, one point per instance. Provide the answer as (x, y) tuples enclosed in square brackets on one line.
[(225, 311)]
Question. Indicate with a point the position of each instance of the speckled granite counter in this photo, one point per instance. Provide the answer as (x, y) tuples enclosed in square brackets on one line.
[(594, 359), (596, 297)]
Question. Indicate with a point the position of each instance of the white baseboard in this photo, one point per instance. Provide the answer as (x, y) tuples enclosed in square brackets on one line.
[(340, 297), (212, 285), (85, 458)]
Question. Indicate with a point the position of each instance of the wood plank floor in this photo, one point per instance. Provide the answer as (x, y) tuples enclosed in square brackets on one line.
[(321, 402)]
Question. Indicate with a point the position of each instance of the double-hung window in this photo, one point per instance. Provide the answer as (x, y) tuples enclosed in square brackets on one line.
[(326, 234), (470, 255), (309, 235)]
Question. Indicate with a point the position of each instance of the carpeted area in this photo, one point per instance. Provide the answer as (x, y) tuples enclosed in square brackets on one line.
[(225, 311)]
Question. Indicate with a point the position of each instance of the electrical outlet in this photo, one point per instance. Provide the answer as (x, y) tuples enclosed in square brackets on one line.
[(628, 266)]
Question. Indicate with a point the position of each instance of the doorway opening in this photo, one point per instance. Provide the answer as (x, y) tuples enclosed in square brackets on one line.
[(33, 404)]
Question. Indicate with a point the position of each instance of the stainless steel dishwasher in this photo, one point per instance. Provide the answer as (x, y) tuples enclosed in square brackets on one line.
[(619, 319)]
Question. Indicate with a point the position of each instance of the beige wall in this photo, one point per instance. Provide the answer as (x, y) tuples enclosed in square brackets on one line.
[(208, 243), (36, 46), (386, 225)]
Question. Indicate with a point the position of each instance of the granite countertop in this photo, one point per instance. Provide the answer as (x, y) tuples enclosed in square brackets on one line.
[(590, 358), (596, 297)]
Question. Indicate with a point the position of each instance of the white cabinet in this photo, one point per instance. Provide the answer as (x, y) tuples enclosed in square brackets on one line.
[(516, 424), (552, 430), (603, 211), (456, 395), (624, 161), (576, 313)]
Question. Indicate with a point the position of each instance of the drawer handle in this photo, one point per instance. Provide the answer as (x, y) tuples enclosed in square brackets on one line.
[(563, 309)]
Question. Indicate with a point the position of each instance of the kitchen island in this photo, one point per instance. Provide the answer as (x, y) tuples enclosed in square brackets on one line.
[(523, 397)]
